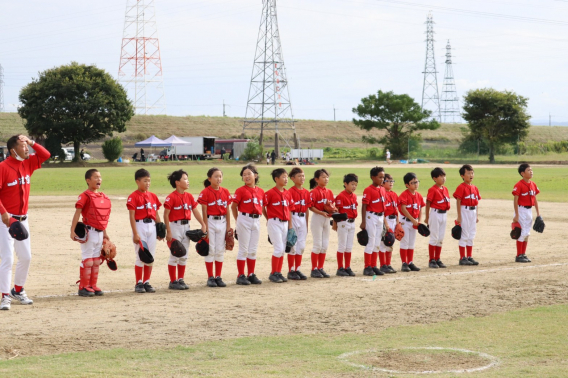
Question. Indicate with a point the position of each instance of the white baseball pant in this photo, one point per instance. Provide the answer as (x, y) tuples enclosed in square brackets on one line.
[(345, 235), (409, 239), (216, 231), (374, 227), (320, 233), (92, 248), (469, 226), (391, 223), (437, 226), (147, 233), (525, 219), (278, 232), (299, 224), (248, 231), (178, 233), (23, 252)]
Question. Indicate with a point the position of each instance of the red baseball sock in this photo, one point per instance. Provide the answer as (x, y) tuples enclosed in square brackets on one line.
[(374, 258), (241, 267), (403, 255), (321, 260), (347, 257), (281, 264), (218, 268), (388, 258), (431, 251), (172, 271), (5, 295), (438, 253), (367, 260), (250, 266), (314, 260), (462, 252), (274, 264), (525, 243), (18, 289), (181, 271), (469, 248), (382, 258), (138, 273), (519, 248), (409, 255), (147, 273), (209, 267), (339, 260), (298, 262), (291, 261)]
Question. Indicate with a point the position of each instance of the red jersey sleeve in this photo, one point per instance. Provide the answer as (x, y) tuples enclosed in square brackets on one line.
[(477, 191), (366, 196), (158, 203), (131, 202), (36, 160), (517, 189), (431, 196), (192, 201), (238, 196), (420, 200), (82, 200), (202, 199), (168, 203), (458, 194)]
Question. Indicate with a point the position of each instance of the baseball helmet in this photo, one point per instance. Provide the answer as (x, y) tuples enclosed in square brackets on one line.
[(457, 231), (17, 230), (176, 248), (423, 230), (388, 239), (144, 253), (339, 217), (363, 238), (82, 232), (202, 247), (515, 230)]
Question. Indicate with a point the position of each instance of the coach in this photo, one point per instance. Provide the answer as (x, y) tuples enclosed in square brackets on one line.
[(15, 173)]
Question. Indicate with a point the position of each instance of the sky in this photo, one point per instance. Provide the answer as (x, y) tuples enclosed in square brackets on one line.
[(336, 51)]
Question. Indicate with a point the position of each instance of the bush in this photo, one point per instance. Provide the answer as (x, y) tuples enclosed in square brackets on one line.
[(53, 145), (253, 151), (374, 152), (112, 149)]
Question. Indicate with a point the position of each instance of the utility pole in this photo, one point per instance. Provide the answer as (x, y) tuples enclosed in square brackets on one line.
[(224, 115), (333, 113), (1, 89), (430, 97), (549, 119), (450, 102)]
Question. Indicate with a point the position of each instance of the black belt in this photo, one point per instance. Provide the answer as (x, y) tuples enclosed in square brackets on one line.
[(93, 229), (279, 220), (183, 221), (145, 220), (299, 214), (470, 207), (392, 216), (440, 211), (526, 207), (406, 219), (378, 214), (350, 220), (21, 219), (216, 217), (255, 216)]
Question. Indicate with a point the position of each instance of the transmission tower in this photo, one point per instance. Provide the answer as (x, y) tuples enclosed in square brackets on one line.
[(1, 89), (430, 99), (268, 105), (140, 68), (449, 98)]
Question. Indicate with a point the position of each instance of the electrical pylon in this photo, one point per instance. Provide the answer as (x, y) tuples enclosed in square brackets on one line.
[(140, 69), (1, 89), (430, 98), (268, 105), (449, 98)]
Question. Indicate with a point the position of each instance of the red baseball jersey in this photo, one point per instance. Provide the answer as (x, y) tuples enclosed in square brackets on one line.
[(412, 202), (439, 198), (180, 206), (468, 194), (374, 198), (216, 200), (526, 191), (249, 200), (278, 204), (15, 181), (347, 203), (319, 197), (391, 203), (301, 198), (95, 209), (144, 204)]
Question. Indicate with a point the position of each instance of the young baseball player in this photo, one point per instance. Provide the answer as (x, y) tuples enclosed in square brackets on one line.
[(467, 205), (15, 174), (95, 208), (143, 207), (524, 192), (346, 202), (214, 201), (372, 213), (410, 204), (437, 206), (319, 197), (247, 210), (300, 221), (278, 204), (391, 219), (178, 207)]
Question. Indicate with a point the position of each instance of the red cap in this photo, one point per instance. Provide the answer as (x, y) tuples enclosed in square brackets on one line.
[(170, 243)]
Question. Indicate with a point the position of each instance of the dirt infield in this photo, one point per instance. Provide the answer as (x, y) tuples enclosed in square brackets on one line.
[(60, 321)]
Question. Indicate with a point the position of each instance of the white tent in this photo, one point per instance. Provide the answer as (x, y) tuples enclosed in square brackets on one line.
[(175, 141), (152, 142)]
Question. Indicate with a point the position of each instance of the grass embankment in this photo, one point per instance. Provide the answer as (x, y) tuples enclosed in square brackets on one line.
[(527, 343), (493, 183)]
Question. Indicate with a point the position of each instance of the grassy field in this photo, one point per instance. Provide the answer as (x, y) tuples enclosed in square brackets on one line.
[(496, 183), (527, 343)]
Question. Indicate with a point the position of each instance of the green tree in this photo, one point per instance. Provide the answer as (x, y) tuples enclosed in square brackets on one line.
[(112, 149), (496, 118), (253, 151), (75, 103), (398, 115)]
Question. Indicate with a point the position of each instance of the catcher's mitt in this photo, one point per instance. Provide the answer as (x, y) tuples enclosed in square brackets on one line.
[(144, 253), (18, 231), (81, 232), (195, 235), (515, 230), (330, 208), (160, 230), (176, 248), (457, 231), (398, 232), (538, 224), (229, 240), (363, 238), (108, 251), (291, 238), (202, 247), (388, 239), (423, 230), (339, 217)]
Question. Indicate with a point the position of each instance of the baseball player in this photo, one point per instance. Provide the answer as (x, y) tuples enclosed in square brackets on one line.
[(143, 207), (214, 201), (178, 207), (278, 204), (372, 213), (437, 206), (524, 192), (391, 219), (300, 221), (247, 210), (15, 173), (346, 202), (319, 197), (95, 208), (410, 204), (467, 204)]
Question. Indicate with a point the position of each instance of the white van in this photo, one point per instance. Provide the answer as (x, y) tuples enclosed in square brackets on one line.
[(70, 154)]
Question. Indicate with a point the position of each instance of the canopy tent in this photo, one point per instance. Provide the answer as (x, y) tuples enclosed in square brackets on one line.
[(175, 141), (152, 142)]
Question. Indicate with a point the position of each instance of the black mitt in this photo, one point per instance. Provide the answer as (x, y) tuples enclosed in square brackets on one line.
[(195, 235), (339, 217), (144, 253), (538, 224), (515, 230), (363, 238), (202, 247), (160, 230), (176, 248), (457, 232), (423, 230)]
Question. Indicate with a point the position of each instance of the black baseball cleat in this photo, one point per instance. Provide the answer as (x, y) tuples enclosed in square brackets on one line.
[(211, 282), (384, 269), (220, 282), (242, 280), (440, 264), (350, 272), (86, 293), (342, 273), (404, 268), (139, 288), (391, 269), (149, 288), (302, 276), (274, 278), (324, 274), (413, 267), (279, 274), (472, 261), (316, 273), (292, 275), (377, 271), (432, 264), (182, 283), (521, 259), (527, 258), (175, 286), (368, 271), (465, 261), (253, 279)]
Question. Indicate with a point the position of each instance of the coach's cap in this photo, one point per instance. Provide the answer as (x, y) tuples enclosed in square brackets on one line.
[(17, 230)]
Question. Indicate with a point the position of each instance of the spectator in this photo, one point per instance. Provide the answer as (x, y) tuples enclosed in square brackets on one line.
[(223, 152), (142, 157), (82, 154), (273, 157), (388, 157)]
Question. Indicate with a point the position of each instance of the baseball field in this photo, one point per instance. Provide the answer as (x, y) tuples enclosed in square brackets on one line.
[(499, 319)]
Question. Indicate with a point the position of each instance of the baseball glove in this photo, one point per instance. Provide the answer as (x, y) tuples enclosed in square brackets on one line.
[(515, 230), (339, 217), (423, 230), (195, 235), (538, 224), (160, 230), (330, 208), (202, 247), (363, 238), (108, 251), (457, 231), (229, 240), (291, 238), (398, 232), (176, 248)]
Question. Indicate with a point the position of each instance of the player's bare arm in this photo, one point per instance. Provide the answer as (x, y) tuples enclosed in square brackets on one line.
[(198, 218), (205, 217), (427, 216), (290, 226), (167, 223), (6, 219), (105, 235), (458, 208), (334, 226), (536, 207), (516, 206), (135, 236), (264, 213), (363, 216), (74, 223)]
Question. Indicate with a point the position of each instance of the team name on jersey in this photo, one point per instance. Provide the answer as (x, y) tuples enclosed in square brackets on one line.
[(445, 199), (20, 180), (414, 206), (350, 207), (323, 200), (185, 206), (253, 200), (529, 193), (472, 196), (301, 202), (147, 206), (378, 200), (284, 203), (219, 202)]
